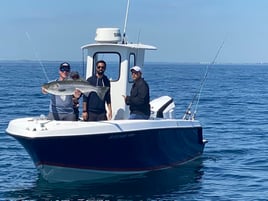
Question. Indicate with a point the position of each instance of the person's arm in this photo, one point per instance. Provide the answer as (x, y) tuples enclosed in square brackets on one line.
[(140, 92), (108, 99), (109, 114), (84, 112)]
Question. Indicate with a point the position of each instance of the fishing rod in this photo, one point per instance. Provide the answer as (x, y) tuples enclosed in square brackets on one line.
[(125, 24), (188, 115), (83, 64), (36, 56)]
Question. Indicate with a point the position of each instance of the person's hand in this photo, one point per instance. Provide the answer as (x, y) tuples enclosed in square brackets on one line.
[(85, 116), (77, 93), (44, 91), (109, 115)]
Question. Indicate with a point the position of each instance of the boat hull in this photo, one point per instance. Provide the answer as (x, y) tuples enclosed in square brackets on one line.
[(112, 155)]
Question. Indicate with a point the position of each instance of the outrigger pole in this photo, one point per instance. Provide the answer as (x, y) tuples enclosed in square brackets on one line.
[(197, 95)]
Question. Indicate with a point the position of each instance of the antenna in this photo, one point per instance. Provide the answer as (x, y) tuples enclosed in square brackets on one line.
[(125, 25)]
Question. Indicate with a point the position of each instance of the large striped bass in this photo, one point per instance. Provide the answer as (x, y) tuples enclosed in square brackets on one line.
[(68, 87)]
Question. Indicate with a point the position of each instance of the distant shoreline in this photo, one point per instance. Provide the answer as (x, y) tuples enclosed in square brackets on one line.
[(149, 62)]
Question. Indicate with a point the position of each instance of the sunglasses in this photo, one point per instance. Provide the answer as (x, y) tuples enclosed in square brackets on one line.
[(134, 72), (62, 69), (99, 67)]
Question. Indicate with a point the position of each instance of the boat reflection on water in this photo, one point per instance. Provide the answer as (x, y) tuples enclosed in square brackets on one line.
[(169, 184)]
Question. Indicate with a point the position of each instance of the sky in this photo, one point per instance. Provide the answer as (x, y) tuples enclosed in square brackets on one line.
[(182, 30)]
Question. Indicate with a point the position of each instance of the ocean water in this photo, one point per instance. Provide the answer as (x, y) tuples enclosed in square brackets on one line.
[(233, 110)]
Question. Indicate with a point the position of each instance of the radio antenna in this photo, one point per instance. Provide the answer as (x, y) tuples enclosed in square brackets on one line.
[(125, 25)]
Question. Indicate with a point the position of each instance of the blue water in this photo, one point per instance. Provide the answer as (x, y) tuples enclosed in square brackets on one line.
[(233, 109)]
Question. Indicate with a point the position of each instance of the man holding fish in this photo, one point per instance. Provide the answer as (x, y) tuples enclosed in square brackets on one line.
[(61, 105)]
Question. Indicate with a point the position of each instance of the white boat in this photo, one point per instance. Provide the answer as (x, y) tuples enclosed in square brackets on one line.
[(66, 151)]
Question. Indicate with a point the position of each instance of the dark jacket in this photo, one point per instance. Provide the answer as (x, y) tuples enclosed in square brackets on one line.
[(94, 102), (139, 99)]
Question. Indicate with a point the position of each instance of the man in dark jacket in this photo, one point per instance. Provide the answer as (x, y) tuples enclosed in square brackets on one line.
[(93, 105), (139, 99)]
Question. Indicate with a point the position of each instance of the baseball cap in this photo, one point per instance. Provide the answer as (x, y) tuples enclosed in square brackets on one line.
[(65, 67), (136, 68)]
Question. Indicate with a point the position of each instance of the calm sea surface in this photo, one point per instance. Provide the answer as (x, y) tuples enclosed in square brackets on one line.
[(233, 110)]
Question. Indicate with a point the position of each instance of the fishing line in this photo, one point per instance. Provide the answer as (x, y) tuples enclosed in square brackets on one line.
[(36, 56), (198, 94)]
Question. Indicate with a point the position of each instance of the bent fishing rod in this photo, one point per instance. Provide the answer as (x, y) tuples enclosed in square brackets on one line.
[(188, 115)]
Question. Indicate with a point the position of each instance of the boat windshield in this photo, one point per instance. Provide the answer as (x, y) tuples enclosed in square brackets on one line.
[(113, 61)]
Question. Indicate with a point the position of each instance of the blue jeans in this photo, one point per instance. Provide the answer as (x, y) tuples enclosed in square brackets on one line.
[(138, 116), (61, 117)]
